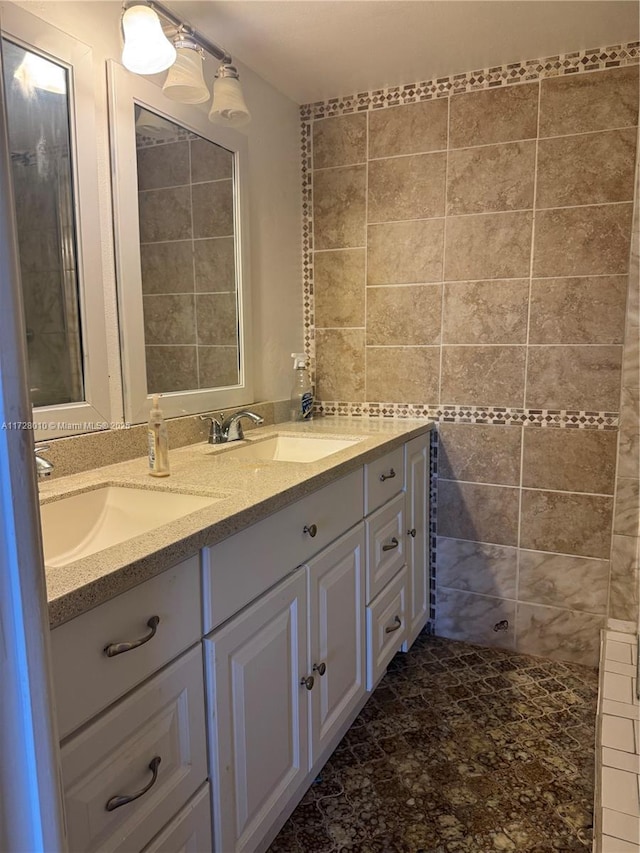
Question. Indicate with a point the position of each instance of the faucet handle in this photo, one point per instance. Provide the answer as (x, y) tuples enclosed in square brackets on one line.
[(215, 430), (40, 448)]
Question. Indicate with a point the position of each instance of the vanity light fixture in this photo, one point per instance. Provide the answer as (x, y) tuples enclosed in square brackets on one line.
[(185, 80)]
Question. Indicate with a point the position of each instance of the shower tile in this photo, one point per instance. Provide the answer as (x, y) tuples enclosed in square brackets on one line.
[(627, 512), (623, 593), (492, 245), (167, 267), (405, 252), (209, 162), (491, 178), (171, 368), (409, 187), (570, 460), (217, 319), (583, 103), (588, 169), (404, 316), (212, 209), (479, 513), (557, 633), (483, 376), (340, 364), (406, 373), (410, 129), (485, 312), (480, 453), (582, 241), (214, 265), (340, 141), (574, 377), (556, 580), (163, 166), (477, 567), (566, 523), (165, 215), (498, 115), (217, 366), (169, 319), (580, 310), (474, 617), (339, 287), (339, 207)]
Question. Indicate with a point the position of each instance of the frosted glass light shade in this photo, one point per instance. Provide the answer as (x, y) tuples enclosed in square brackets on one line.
[(146, 48), (185, 81), (36, 72), (229, 107)]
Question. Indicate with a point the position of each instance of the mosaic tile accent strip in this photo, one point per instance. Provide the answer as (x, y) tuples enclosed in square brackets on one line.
[(593, 59), (554, 418), (463, 749)]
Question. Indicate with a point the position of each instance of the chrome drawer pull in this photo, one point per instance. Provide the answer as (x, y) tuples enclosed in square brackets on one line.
[(114, 649), (311, 529), (412, 532), (388, 476), (396, 624), (394, 544), (116, 802), (307, 682), (320, 668)]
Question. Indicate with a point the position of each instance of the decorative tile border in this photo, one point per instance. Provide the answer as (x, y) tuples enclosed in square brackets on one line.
[(553, 418), (592, 59)]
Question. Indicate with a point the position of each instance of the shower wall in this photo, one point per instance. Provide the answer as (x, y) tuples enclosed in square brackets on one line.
[(467, 260)]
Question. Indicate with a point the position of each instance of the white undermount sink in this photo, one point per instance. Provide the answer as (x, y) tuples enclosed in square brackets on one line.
[(87, 522), (291, 448)]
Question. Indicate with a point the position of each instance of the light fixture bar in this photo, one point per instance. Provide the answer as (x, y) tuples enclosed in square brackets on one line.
[(211, 47)]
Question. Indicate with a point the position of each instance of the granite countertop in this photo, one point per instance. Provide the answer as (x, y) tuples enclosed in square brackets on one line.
[(244, 492)]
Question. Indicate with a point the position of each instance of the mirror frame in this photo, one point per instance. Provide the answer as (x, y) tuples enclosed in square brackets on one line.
[(125, 91), (94, 412)]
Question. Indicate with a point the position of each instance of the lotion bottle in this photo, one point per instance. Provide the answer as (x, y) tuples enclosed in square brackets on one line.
[(302, 390), (158, 441)]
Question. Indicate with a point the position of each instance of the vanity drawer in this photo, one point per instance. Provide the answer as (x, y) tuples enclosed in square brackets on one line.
[(112, 757), (383, 479), (189, 831), (239, 569), (385, 545), (386, 627), (86, 680)]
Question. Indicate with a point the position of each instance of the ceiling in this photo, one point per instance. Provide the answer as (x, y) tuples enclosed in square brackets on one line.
[(315, 49)]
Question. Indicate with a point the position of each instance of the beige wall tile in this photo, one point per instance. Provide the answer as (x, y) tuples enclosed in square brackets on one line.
[(171, 368), (210, 162), (212, 209), (404, 315), (165, 215), (214, 264), (471, 618), (477, 567), (623, 592), (494, 177), (409, 129), (217, 316), (167, 267), (629, 434), (580, 310), (339, 287), (480, 453), (340, 141), (582, 241), (559, 634), (493, 115), (572, 460), (485, 312), (566, 523), (163, 166), (402, 374), (578, 583), (574, 377), (405, 252), (482, 376), (169, 319), (339, 207), (340, 364), (589, 169), (585, 102), (626, 517), (217, 366), (477, 512), (493, 245), (410, 187)]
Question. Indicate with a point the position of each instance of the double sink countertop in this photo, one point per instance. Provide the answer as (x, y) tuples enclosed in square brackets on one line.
[(244, 492)]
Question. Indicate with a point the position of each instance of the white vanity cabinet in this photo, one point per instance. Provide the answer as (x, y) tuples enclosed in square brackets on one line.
[(416, 472)]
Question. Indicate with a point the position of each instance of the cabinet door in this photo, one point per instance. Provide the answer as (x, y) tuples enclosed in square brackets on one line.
[(336, 636), (258, 739), (417, 519)]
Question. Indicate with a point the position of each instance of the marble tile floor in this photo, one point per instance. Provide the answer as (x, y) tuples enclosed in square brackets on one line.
[(461, 749)]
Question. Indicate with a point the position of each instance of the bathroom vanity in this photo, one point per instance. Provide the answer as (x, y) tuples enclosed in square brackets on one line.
[(198, 697)]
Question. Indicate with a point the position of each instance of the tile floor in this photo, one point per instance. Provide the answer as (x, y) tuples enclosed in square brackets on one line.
[(460, 748)]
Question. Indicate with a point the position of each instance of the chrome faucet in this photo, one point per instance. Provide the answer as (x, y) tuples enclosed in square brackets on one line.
[(44, 468), (229, 429)]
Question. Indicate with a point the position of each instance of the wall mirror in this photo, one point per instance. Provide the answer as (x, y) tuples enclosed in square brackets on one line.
[(180, 195), (50, 115)]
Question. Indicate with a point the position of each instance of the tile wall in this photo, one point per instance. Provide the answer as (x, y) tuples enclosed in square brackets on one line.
[(470, 254)]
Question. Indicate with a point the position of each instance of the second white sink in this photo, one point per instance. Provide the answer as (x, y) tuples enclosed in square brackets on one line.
[(291, 448), (87, 522)]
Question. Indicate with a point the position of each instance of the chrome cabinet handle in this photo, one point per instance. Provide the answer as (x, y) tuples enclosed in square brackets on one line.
[(396, 624), (388, 476), (394, 544), (412, 532), (122, 800), (307, 682), (311, 529), (320, 668), (114, 649)]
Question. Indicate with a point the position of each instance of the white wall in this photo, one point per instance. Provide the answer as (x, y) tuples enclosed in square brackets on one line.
[(276, 207)]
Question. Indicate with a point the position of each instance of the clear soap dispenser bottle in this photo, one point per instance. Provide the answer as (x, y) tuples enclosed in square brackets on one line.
[(158, 441), (302, 390)]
